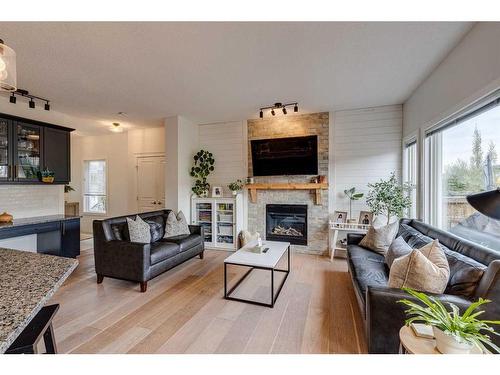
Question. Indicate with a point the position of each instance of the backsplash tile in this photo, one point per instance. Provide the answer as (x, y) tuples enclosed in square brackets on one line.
[(32, 200)]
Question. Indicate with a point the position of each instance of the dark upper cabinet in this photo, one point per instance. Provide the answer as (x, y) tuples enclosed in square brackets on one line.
[(27, 147), (56, 146)]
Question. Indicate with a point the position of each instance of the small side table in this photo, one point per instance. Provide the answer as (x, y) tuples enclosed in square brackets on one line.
[(409, 343), (336, 251)]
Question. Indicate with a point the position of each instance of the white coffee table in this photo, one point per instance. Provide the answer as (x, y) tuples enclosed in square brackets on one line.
[(262, 261)]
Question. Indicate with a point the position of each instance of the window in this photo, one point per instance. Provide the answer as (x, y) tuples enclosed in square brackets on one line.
[(461, 159), (94, 192), (410, 174)]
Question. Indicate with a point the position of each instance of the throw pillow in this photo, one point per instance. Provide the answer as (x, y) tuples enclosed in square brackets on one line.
[(413, 237), (176, 225), (379, 239), (397, 249), (138, 230), (246, 237), (425, 270), (465, 273), (156, 229)]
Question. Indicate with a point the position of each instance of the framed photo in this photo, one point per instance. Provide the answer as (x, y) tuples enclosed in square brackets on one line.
[(340, 217), (217, 192), (365, 218)]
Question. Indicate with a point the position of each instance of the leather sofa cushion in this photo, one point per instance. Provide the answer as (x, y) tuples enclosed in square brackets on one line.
[(120, 231), (162, 250), (368, 268), (185, 241), (397, 249), (413, 237), (157, 228)]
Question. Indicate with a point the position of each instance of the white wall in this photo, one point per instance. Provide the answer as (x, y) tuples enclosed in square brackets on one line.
[(366, 147), (32, 200), (469, 72)]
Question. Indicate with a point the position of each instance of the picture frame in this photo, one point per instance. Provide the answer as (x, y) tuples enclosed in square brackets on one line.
[(340, 217), (365, 218), (217, 192)]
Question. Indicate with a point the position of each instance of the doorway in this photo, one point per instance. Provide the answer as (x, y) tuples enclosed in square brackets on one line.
[(150, 183)]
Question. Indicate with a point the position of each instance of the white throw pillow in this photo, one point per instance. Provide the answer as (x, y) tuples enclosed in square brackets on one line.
[(176, 225), (246, 237), (379, 239), (138, 230)]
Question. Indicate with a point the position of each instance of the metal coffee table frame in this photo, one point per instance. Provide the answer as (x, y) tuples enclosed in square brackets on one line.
[(274, 296)]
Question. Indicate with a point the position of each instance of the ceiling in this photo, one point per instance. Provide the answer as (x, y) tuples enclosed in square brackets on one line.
[(223, 71)]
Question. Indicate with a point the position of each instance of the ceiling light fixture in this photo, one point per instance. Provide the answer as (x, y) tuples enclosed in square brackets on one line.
[(8, 77), (281, 106), (13, 99), (116, 128), (47, 106), (31, 103), (25, 94)]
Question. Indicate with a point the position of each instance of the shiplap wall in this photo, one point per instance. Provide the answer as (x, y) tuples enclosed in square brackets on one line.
[(367, 147), (227, 141)]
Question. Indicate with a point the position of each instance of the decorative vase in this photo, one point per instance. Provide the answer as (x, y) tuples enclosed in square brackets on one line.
[(204, 194), (6, 218), (235, 192), (250, 180), (447, 344)]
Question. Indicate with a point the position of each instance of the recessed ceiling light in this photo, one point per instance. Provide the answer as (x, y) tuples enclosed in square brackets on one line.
[(116, 128)]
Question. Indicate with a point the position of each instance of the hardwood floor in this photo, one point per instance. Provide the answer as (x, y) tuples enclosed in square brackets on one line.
[(183, 311)]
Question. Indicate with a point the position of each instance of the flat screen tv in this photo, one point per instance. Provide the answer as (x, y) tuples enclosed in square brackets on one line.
[(285, 156)]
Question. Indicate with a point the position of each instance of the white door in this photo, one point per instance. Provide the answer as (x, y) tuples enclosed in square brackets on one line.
[(150, 183)]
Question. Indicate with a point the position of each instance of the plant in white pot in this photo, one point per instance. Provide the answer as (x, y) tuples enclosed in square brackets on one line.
[(454, 333), (235, 186)]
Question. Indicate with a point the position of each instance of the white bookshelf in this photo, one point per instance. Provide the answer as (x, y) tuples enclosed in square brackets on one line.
[(222, 219)]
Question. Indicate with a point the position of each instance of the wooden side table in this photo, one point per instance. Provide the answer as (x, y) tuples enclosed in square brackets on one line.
[(409, 343)]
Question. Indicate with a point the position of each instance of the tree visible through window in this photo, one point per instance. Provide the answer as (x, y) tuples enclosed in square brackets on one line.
[(94, 196)]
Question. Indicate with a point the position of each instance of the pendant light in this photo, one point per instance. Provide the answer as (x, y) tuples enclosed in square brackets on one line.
[(8, 79)]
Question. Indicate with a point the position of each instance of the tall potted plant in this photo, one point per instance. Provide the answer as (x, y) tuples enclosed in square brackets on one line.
[(388, 197), (353, 196), (454, 333), (202, 167)]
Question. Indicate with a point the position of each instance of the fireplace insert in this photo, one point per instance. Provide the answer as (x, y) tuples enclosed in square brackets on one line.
[(287, 222)]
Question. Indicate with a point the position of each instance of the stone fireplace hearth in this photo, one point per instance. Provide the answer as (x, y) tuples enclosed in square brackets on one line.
[(316, 240)]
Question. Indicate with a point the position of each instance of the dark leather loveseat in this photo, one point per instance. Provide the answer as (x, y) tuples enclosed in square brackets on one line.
[(115, 256), (384, 317)]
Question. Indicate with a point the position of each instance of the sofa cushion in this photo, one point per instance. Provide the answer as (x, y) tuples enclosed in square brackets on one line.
[(138, 230), (465, 273), (397, 249), (413, 237), (185, 241), (378, 239), (120, 232), (367, 268), (161, 250), (425, 270), (156, 228), (176, 225)]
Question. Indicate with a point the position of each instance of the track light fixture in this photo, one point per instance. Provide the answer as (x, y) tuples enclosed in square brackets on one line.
[(279, 106), (31, 103)]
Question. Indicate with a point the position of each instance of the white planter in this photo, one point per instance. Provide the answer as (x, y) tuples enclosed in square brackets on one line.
[(235, 192), (447, 344)]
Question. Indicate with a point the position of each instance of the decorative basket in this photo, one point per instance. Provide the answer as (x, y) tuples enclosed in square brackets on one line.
[(48, 180), (6, 218)]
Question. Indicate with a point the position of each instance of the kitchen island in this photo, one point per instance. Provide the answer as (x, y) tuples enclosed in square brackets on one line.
[(27, 281)]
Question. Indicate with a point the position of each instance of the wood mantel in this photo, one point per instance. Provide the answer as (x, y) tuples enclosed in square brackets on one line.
[(313, 187)]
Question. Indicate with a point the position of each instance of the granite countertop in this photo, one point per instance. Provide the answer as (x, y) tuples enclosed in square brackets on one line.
[(27, 281), (37, 220)]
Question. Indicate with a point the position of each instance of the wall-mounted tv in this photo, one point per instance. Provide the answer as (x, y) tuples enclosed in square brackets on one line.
[(285, 156)]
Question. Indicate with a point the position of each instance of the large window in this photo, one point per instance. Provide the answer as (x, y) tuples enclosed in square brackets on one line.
[(410, 174), (94, 194), (461, 159)]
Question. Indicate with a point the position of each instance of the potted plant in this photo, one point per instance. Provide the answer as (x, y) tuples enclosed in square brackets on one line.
[(388, 197), (353, 196), (47, 176), (235, 186), (202, 167), (454, 333)]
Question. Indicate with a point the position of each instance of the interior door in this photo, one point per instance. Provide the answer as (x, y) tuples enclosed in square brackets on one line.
[(150, 183)]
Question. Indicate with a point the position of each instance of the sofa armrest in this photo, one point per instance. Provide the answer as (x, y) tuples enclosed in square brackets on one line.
[(196, 229), (385, 317), (354, 238), (123, 259)]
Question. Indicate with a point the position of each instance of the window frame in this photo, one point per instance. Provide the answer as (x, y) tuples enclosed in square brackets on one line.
[(409, 141), (84, 187)]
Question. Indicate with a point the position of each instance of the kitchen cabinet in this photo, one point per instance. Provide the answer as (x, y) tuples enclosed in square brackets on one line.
[(27, 147)]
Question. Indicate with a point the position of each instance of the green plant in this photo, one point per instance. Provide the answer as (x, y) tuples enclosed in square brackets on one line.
[(235, 185), (388, 197), (203, 164), (47, 173), (353, 196), (68, 188), (464, 328)]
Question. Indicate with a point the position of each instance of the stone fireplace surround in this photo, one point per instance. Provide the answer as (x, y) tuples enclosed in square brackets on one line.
[(317, 215)]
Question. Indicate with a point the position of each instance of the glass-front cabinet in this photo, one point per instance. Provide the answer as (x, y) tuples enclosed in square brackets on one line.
[(28, 152), (221, 218), (5, 149)]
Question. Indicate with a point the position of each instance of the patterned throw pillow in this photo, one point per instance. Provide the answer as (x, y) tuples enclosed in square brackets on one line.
[(247, 237), (138, 230), (379, 239), (425, 270), (397, 249), (176, 225)]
